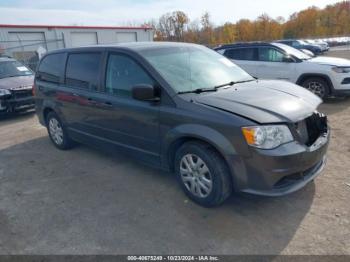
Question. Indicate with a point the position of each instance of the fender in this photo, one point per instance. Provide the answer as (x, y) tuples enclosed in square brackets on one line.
[(306, 75), (195, 131)]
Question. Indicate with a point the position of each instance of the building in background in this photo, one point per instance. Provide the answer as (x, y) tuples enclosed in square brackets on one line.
[(27, 43)]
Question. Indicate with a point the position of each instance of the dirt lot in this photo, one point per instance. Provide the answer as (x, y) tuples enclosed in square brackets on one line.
[(85, 201)]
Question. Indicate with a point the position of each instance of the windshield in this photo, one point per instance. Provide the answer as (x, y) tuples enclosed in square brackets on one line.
[(187, 68), (13, 68), (293, 51)]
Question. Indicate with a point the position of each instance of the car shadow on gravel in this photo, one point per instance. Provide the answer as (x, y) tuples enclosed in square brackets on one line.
[(20, 116), (85, 201)]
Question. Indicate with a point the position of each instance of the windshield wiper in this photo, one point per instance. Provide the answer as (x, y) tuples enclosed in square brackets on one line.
[(227, 84), (233, 83), (11, 76), (215, 88), (198, 91)]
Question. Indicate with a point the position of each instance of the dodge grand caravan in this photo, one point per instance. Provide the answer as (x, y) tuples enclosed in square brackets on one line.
[(187, 109)]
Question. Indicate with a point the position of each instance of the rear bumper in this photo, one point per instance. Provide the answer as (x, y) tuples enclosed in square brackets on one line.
[(280, 171)]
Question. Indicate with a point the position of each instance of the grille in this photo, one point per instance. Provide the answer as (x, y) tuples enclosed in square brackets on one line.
[(311, 128), (18, 94), (293, 178)]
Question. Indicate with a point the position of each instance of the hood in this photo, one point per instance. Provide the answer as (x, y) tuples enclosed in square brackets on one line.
[(312, 46), (15, 82), (263, 101), (331, 61)]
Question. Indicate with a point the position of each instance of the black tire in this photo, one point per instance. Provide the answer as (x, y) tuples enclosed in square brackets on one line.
[(221, 186), (318, 86), (66, 142)]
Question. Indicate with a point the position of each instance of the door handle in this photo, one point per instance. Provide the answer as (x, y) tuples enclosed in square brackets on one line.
[(92, 101)]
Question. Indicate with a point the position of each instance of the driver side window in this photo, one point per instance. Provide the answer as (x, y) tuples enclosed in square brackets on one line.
[(268, 54), (123, 73)]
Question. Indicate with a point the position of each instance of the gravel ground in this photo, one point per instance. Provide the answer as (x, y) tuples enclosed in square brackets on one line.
[(340, 51), (85, 201)]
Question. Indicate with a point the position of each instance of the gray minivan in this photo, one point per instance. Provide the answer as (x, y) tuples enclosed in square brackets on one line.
[(184, 108)]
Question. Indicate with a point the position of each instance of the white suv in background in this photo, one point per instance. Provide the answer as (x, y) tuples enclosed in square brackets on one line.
[(324, 76)]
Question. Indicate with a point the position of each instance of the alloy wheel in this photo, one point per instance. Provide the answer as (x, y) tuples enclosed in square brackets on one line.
[(56, 131), (317, 88), (195, 175)]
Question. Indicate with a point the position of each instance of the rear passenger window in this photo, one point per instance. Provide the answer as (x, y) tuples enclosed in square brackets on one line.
[(241, 54), (51, 68), (123, 73), (295, 44), (83, 70)]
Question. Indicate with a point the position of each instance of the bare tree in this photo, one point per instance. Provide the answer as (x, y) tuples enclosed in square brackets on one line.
[(207, 36), (172, 25), (180, 20), (166, 26)]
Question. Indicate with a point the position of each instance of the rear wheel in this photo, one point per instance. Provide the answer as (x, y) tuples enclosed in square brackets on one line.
[(202, 174), (318, 86), (57, 132)]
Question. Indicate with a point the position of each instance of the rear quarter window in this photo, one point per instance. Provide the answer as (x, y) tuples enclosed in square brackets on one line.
[(51, 68), (248, 54)]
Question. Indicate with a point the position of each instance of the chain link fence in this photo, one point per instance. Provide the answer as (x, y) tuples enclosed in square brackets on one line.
[(28, 52)]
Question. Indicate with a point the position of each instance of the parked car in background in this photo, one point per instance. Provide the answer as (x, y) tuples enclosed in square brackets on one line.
[(185, 108), (324, 76), (324, 45), (16, 82), (308, 52), (300, 44), (338, 41)]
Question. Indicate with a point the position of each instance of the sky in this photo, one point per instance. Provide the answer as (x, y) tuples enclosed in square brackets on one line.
[(128, 12)]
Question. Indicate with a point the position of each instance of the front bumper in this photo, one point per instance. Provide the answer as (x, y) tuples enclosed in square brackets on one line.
[(283, 170), (8, 105), (341, 92), (340, 84)]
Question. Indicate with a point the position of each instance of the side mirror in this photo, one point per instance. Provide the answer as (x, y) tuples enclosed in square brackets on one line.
[(288, 59), (145, 92)]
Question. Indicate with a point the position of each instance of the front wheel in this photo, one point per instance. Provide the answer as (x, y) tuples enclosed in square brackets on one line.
[(202, 174), (318, 86)]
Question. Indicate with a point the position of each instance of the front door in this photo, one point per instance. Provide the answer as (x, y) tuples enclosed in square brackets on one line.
[(273, 64), (120, 119)]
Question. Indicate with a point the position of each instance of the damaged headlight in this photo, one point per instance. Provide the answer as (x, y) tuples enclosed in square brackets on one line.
[(4, 92), (267, 137)]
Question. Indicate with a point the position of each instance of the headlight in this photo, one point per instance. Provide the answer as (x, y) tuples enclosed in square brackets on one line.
[(341, 69), (267, 137), (4, 92)]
